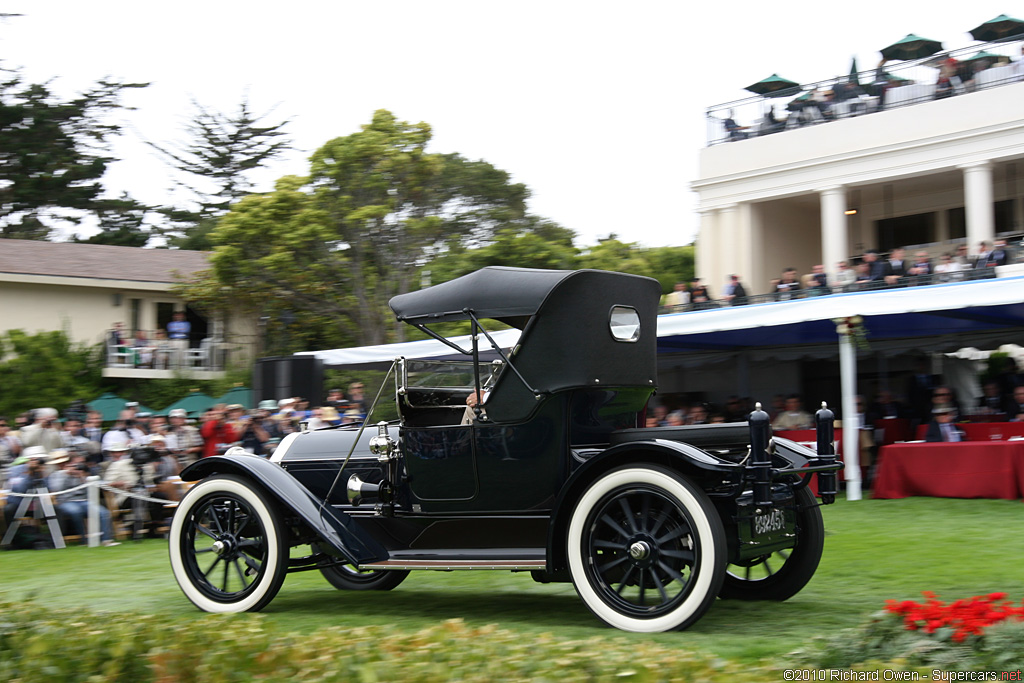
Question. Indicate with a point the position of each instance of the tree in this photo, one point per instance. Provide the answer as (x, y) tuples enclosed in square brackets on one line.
[(222, 151), (340, 243), (545, 247), (668, 265), (47, 369), (121, 223), (53, 154)]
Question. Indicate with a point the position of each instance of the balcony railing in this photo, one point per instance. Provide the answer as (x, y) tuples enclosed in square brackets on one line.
[(150, 355), (806, 293), (880, 89)]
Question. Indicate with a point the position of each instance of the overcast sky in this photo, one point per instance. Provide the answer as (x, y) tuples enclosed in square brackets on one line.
[(597, 107)]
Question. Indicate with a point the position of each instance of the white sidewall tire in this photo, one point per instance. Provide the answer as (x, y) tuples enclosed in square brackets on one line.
[(707, 526), (268, 584)]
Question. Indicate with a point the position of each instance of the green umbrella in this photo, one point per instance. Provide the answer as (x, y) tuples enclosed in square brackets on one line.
[(774, 86), (195, 404), (1001, 29), (911, 47), (854, 76), (797, 103), (983, 55), (110, 406), (896, 79), (239, 395)]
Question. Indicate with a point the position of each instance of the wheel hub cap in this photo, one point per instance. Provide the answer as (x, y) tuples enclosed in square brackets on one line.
[(639, 551)]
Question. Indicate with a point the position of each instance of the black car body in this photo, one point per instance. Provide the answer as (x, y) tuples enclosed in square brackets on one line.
[(552, 473)]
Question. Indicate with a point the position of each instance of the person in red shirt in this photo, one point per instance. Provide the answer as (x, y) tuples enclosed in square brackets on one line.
[(218, 434)]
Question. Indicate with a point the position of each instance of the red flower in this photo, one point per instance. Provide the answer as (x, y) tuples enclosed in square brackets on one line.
[(966, 616)]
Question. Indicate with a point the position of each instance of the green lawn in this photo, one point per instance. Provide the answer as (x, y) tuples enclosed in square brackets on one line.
[(874, 550)]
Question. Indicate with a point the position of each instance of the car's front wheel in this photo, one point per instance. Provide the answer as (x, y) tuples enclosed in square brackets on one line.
[(228, 545), (646, 549)]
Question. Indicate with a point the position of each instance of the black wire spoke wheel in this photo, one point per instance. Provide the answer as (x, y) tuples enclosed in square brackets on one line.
[(646, 549), (228, 546), (348, 577), (782, 574)]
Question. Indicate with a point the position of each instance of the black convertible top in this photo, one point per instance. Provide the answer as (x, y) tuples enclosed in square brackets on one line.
[(511, 295), (566, 318)]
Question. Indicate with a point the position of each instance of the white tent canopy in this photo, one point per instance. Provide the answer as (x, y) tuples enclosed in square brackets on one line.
[(383, 354)]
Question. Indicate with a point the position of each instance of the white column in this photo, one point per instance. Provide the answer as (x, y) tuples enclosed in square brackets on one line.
[(706, 236), (979, 203), (725, 250), (851, 435), (834, 236)]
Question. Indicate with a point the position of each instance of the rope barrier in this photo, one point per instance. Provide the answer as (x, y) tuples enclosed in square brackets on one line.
[(105, 487)]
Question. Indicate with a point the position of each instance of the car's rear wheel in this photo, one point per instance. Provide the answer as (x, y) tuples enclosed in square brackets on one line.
[(348, 578), (228, 546), (646, 549), (781, 575)]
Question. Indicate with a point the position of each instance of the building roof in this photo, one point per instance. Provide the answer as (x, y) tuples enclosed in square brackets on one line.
[(99, 261)]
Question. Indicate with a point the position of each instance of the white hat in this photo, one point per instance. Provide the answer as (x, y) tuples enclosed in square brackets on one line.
[(157, 437), (57, 457), (178, 412), (285, 402)]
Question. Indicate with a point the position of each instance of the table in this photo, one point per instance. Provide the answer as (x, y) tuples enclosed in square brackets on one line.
[(889, 430), (998, 75), (909, 94), (984, 431), (978, 469)]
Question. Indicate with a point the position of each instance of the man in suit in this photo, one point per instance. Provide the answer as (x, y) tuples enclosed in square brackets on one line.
[(984, 251), (876, 269), (999, 256), (735, 294), (941, 428), (922, 265), (895, 268)]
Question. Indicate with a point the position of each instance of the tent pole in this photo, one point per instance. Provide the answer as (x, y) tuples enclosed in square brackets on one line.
[(851, 436)]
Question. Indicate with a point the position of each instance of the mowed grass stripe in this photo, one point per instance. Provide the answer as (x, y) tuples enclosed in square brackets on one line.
[(874, 550)]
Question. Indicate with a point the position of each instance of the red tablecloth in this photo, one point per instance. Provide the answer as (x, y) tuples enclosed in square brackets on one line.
[(892, 429), (984, 431), (969, 469)]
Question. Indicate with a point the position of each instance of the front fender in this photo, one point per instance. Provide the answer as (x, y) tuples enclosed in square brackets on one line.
[(336, 528), (675, 455)]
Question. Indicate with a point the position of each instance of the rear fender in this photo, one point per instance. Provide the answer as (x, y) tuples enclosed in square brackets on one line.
[(704, 468), (337, 529)]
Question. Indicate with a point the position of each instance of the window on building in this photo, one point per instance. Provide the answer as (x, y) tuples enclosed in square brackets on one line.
[(905, 230), (136, 311), (957, 219), (1004, 216)]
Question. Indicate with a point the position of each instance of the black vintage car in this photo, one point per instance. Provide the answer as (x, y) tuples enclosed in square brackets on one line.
[(551, 472)]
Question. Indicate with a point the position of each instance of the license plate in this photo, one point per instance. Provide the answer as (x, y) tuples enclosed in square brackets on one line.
[(768, 522)]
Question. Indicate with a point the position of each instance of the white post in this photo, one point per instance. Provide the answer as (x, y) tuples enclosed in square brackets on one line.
[(978, 203), (851, 437), (93, 516), (834, 238)]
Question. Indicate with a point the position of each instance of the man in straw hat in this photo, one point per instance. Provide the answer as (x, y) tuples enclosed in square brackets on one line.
[(74, 505)]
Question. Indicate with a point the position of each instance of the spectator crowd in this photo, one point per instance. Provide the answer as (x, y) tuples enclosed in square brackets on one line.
[(140, 455), (871, 271)]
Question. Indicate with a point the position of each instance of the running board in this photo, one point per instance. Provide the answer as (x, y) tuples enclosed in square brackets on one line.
[(450, 565), (513, 560)]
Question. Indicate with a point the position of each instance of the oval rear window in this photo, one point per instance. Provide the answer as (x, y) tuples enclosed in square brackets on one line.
[(624, 323)]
